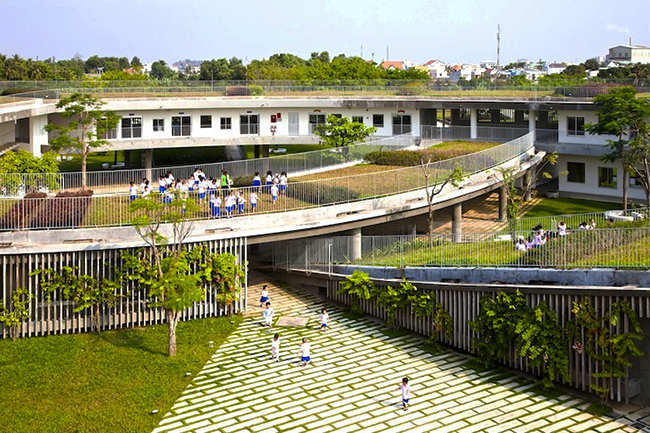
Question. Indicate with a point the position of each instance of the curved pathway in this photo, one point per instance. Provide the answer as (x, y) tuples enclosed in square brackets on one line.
[(352, 385)]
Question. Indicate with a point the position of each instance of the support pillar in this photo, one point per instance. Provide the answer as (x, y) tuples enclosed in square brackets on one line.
[(257, 150), (457, 222), (147, 163), (532, 123), (355, 253), (37, 134), (473, 123), (503, 201), (527, 185), (127, 159)]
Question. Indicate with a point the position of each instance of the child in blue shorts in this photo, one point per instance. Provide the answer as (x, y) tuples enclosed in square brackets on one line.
[(406, 392), (133, 191), (305, 352)]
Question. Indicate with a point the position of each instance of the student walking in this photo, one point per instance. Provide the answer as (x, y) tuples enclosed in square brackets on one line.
[(275, 348), (265, 296), (215, 205), (305, 352), (324, 318), (253, 199), (225, 182), (133, 191), (274, 193), (406, 392), (268, 314)]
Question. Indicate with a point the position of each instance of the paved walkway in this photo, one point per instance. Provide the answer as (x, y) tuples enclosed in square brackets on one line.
[(352, 385)]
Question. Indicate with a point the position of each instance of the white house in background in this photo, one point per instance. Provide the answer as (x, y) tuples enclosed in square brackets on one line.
[(437, 68), (146, 68), (466, 71), (487, 64), (408, 64), (531, 74), (630, 53), (555, 67)]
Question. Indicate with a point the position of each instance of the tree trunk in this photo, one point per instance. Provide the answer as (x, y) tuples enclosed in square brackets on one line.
[(96, 321), (172, 320), (83, 167), (14, 333), (625, 185)]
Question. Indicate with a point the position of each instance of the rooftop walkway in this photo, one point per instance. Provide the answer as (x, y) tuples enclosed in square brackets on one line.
[(352, 385)]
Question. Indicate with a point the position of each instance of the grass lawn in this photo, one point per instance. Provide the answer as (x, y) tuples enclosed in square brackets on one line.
[(291, 149), (564, 206), (96, 159), (101, 383), (460, 147)]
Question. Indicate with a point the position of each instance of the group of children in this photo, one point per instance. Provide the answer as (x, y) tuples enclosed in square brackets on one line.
[(539, 236), (233, 200), (305, 347)]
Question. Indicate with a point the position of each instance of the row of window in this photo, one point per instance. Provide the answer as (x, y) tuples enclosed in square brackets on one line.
[(607, 176), (506, 115)]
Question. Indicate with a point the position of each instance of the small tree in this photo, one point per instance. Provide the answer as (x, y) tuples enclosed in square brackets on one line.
[(340, 131), (168, 271), (424, 304), (359, 286), (87, 125), (13, 315), (227, 275), (395, 299), (623, 115), (85, 291), (439, 180), (41, 170)]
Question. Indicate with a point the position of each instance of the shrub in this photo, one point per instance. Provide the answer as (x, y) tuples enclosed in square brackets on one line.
[(21, 213), (237, 91), (414, 88), (403, 158), (67, 209), (255, 90)]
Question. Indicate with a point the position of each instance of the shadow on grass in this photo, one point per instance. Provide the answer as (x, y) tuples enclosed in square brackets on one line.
[(132, 339)]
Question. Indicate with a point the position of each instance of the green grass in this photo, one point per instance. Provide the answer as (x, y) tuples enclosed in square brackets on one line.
[(563, 206), (101, 383), (291, 149), (95, 161)]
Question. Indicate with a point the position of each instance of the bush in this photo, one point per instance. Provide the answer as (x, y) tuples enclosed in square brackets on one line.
[(255, 90), (318, 193), (411, 89), (21, 213), (67, 209), (237, 91), (402, 158)]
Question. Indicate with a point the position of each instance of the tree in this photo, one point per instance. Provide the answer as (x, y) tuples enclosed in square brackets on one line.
[(42, 172), (440, 181), (167, 270), (136, 63), (84, 131), (160, 71), (359, 286), (85, 291), (574, 71), (340, 131), (591, 65), (16, 312), (623, 115)]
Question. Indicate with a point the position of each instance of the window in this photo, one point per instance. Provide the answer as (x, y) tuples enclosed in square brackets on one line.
[(575, 125), (378, 120), (181, 126), (635, 180), (527, 115), (484, 115), (132, 127), (226, 123), (158, 125), (401, 124), (507, 115), (607, 177), (357, 119), (464, 113), (315, 120), (576, 172), (552, 117), (249, 124), (206, 121)]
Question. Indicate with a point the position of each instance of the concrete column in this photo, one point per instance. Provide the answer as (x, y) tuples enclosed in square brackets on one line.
[(532, 122), (457, 222), (473, 123), (257, 151), (526, 184), (37, 134), (127, 159), (356, 244), (503, 201), (147, 163), (265, 150)]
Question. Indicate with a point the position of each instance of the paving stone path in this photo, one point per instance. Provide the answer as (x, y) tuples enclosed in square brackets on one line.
[(352, 385)]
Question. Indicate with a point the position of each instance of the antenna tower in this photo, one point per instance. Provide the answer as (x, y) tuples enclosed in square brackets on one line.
[(498, 44), (387, 55)]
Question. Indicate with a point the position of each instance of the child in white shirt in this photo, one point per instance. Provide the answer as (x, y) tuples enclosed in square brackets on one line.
[(274, 193), (305, 352), (253, 199), (324, 318), (275, 348), (268, 314), (406, 392), (265, 296), (133, 191)]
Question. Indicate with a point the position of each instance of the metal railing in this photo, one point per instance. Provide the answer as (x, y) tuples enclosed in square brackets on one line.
[(620, 248), (113, 210), (383, 88), (112, 181)]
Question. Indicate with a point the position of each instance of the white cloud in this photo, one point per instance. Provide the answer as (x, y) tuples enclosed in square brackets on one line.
[(617, 28)]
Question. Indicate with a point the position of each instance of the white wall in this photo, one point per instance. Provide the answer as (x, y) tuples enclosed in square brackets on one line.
[(591, 178), (590, 117)]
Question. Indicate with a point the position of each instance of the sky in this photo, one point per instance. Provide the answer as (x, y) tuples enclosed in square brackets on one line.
[(419, 30)]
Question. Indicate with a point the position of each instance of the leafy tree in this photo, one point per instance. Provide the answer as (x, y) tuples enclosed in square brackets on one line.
[(167, 270), (515, 65), (574, 71), (122, 76), (623, 115), (42, 169), (136, 63), (395, 299), (84, 131), (215, 70), (85, 291), (160, 71), (340, 131), (16, 312), (439, 180), (223, 271), (238, 69), (591, 65), (359, 286)]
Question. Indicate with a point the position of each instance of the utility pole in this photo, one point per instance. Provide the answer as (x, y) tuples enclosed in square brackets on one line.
[(498, 44), (362, 51), (387, 53)]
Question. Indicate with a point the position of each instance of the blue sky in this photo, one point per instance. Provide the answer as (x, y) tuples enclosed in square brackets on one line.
[(451, 30)]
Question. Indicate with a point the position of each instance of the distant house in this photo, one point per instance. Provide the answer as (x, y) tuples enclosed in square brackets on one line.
[(629, 53), (554, 68), (437, 68), (393, 65)]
